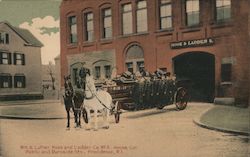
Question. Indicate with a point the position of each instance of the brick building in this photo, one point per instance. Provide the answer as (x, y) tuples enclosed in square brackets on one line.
[(205, 41), (20, 64)]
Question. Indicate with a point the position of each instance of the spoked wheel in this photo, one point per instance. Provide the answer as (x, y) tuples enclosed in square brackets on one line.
[(117, 112), (85, 116), (181, 98)]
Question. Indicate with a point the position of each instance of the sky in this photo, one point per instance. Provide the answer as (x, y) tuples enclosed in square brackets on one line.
[(40, 17)]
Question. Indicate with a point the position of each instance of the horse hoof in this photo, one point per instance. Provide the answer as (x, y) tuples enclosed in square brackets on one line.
[(95, 129), (106, 127), (68, 128)]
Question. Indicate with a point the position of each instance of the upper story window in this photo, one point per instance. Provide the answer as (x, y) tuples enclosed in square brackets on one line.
[(5, 81), (127, 19), (73, 29), (192, 12), (223, 10), (165, 14), (4, 38), (141, 16), (19, 81), (89, 26), (19, 59), (107, 23), (5, 58)]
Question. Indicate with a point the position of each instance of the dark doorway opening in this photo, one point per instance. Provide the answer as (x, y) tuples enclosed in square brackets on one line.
[(199, 68)]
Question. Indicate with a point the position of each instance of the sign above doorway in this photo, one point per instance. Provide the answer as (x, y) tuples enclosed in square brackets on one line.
[(192, 43)]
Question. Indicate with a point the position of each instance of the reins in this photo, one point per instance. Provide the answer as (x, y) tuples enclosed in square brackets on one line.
[(94, 95)]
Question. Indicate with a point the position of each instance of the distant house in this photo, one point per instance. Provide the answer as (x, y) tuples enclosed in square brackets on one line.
[(20, 64)]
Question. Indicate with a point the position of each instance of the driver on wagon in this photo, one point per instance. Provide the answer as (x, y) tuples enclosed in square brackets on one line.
[(90, 85)]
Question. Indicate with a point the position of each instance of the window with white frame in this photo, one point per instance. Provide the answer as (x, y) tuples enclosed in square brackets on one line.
[(192, 12), (73, 29), (127, 19), (19, 81), (89, 26), (5, 81), (5, 58), (4, 38), (141, 16), (165, 14), (107, 23), (223, 10)]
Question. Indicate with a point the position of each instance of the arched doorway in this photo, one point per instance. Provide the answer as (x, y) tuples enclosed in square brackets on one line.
[(134, 58), (199, 68)]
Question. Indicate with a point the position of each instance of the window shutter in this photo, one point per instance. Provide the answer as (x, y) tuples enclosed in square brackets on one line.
[(1, 58), (1, 82), (14, 58), (7, 38), (10, 81), (9, 58), (15, 82), (23, 59), (24, 82)]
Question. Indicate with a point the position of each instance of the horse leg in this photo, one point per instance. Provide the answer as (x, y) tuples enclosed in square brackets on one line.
[(75, 117), (79, 118), (84, 115), (95, 120), (106, 118), (68, 118), (89, 119)]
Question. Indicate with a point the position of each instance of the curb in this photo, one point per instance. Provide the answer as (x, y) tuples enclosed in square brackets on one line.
[(225, 130), (27, 103), (30, 118)]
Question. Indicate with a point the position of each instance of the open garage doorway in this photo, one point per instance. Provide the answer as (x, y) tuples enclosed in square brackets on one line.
[(199, 68)]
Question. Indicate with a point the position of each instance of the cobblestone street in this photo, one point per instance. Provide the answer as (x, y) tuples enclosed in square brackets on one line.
[(146, 133)]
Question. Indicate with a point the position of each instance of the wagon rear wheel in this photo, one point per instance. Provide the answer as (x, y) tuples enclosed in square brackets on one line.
[(117, 112), (181, 98)]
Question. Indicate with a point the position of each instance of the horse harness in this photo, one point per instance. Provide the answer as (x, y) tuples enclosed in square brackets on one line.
[(94, 95)]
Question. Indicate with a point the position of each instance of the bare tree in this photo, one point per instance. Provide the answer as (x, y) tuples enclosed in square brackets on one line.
[(50, 72)]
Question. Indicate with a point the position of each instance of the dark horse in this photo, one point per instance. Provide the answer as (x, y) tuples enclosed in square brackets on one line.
[(72, 101)]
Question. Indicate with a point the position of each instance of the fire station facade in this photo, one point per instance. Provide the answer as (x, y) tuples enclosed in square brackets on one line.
[(205, 41)]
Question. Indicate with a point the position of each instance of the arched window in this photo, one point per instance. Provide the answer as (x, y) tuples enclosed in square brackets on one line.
[(134, 58)]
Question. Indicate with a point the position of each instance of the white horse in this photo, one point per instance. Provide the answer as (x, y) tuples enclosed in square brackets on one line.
[(97, 101)]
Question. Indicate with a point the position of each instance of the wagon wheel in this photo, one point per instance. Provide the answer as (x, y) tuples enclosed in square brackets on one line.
[(117, 112), (181, 98), (85, 116)]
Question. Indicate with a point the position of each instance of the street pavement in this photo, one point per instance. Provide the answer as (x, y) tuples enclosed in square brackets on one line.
[(145, 133), (43, 109)]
